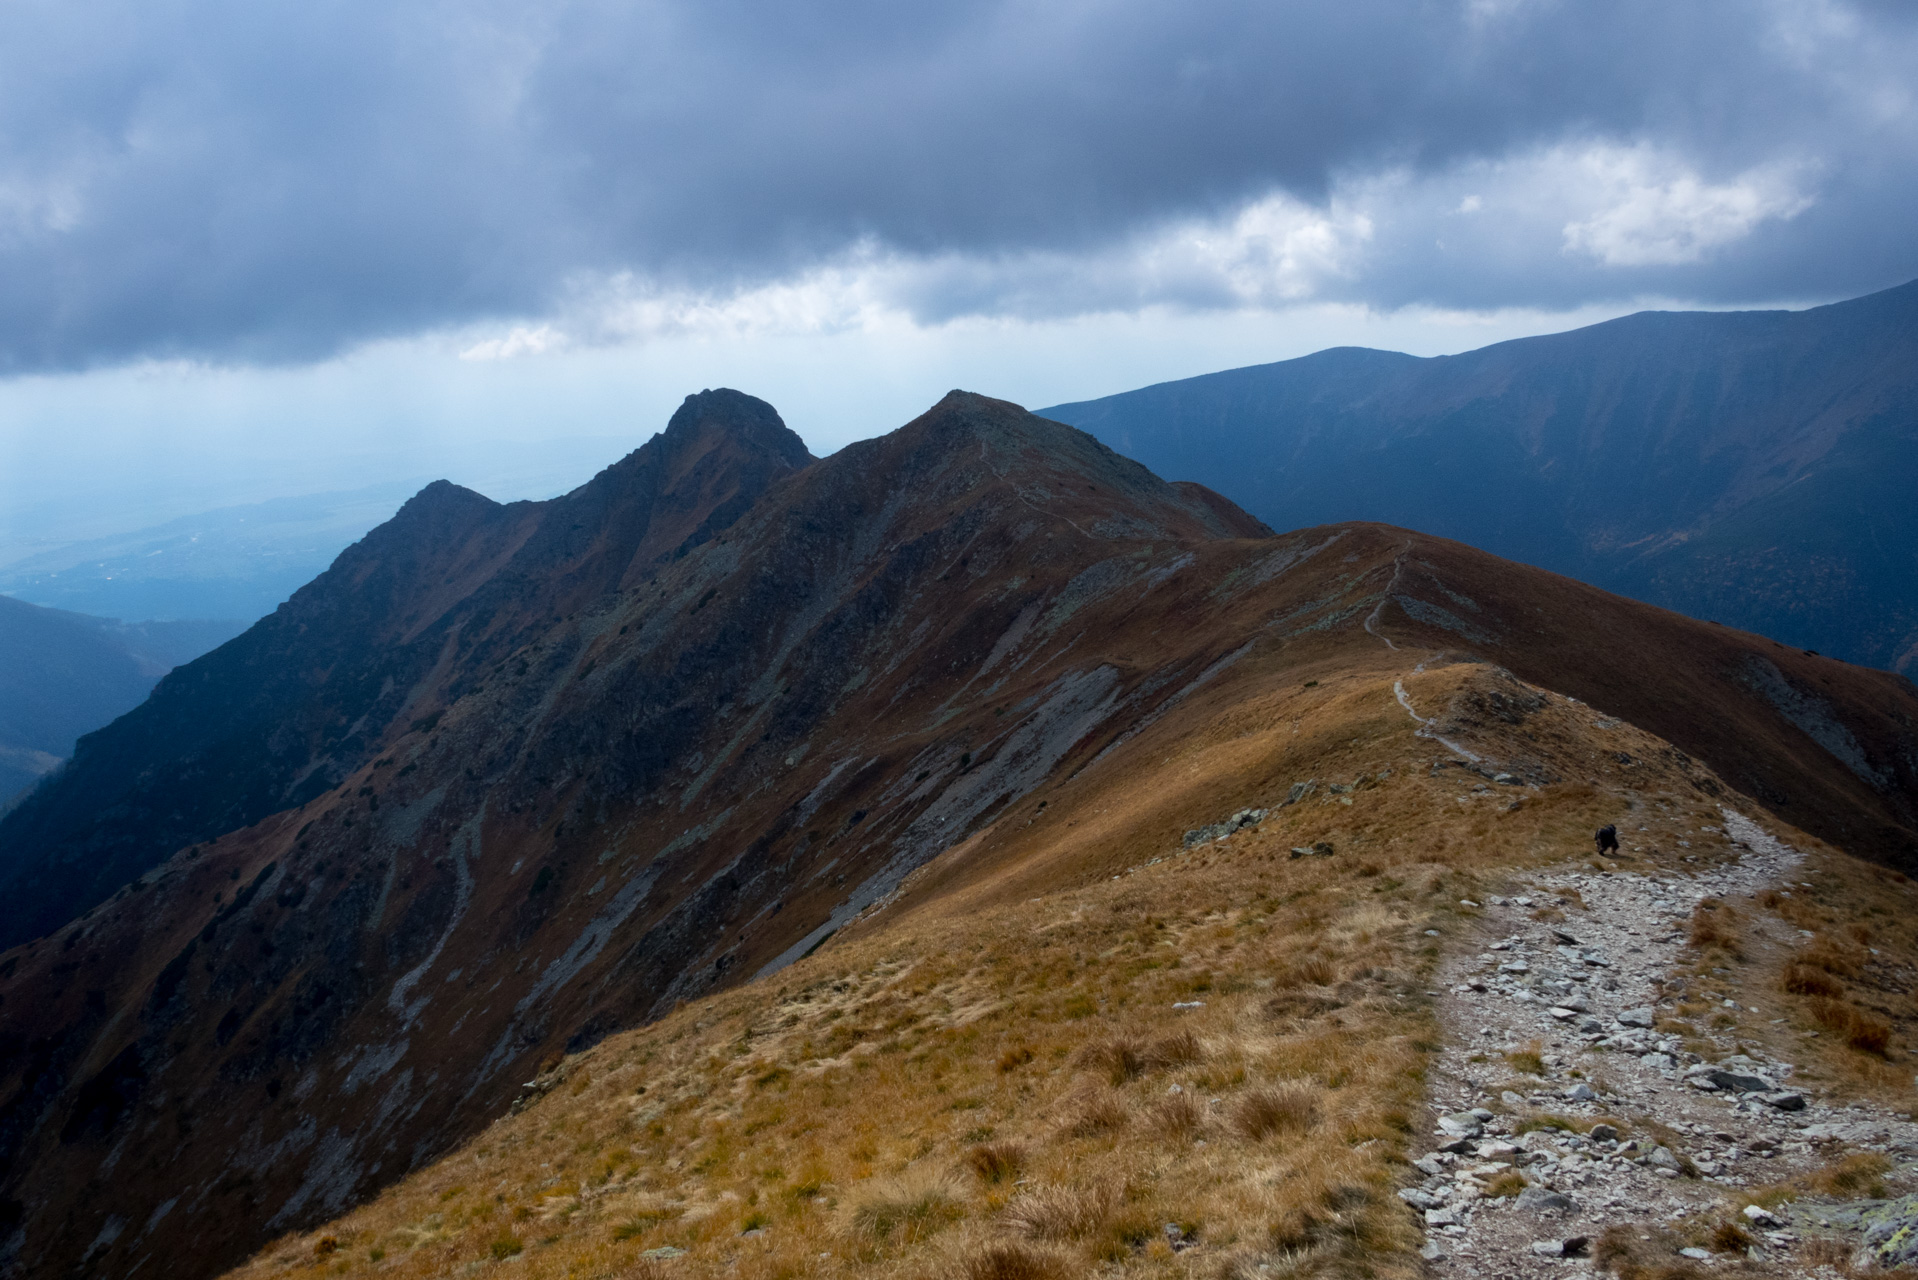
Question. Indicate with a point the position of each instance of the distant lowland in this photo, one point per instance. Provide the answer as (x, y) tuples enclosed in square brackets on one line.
[(63, 675), (1751, 468)]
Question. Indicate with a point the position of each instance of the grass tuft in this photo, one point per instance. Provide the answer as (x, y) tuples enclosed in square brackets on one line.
[(1059, 1213), (1862, 1173), (1100, 1113), (1852, 1025), (996, 1162), (1013, 1260), (904, 1212), (1729, 1237), (1801, 979), (1176, 1118), (1291, 1106)]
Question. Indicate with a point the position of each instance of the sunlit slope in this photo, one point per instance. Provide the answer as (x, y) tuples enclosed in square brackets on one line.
[(1072, 1033)]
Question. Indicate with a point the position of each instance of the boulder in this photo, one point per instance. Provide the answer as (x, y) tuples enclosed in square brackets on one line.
[(1639, 1017), (1573, 1247), (1542, 1200), (1891, 1233), (1419, 1199), (1580, 1092), (1733, 1082), (1662, 1158), (1784, 1100), (1461, 1124)]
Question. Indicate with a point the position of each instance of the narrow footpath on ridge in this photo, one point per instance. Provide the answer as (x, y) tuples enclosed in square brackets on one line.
[(1571, 1131)]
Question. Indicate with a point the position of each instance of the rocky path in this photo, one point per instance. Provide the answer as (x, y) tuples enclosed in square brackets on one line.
[(1613, 1122)]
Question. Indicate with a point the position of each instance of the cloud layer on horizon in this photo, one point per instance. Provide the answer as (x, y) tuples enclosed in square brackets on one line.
[(210, 180)]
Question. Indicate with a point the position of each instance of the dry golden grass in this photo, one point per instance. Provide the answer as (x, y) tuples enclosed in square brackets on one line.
[(990, 1080), (1290, 1107), (997, 1162), (1013, 1260)]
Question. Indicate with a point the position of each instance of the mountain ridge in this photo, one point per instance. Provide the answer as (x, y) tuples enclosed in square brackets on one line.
[(1742, 466), (629, 780), (373, 616)]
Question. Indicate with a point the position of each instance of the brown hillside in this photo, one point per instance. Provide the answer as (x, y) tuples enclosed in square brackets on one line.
[(689, 768)]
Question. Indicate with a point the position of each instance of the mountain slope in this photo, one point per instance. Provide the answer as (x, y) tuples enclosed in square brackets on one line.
[(633, 777), (65, 674), (1748, 467), (404, 621)]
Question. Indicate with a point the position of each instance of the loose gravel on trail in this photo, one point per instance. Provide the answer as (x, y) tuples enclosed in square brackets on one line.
[(1584, 994)]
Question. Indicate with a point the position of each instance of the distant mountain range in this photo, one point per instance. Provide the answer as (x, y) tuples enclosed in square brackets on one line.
[(66, 674), (508, 777), (1753, 468)]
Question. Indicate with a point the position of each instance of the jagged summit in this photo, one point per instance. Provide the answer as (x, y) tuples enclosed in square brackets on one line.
[(746, 417)]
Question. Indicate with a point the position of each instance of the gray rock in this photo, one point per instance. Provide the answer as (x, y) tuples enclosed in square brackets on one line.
[(1418, 1199), (1891, 1233), (1461, 1124), (1693, 1251), (1759, 1216), (1218, 830), (1662, 1158), (1639, 1017), (1542, 1200), (1456, 1146), (1580, 1092), (1603, 1133), (1484, 1116), (1511, 1099), (1549, 1248), (1784, 1100), (1431, 1166), (1732, 1082), (1432, 1251), (1441, 1218), (1659, 1061)]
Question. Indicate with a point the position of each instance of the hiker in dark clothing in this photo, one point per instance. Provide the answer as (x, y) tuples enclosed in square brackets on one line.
[(1607, 838)]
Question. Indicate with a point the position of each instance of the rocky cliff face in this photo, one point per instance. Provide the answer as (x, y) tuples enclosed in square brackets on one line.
[(508, 778)]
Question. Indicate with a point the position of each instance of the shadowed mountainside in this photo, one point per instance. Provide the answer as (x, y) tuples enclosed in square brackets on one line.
[(66, 674), (1750, 467), (544, 771), (404, 622)]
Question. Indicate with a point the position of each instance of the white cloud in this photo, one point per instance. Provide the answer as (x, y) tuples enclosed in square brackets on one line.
[(1657, 211), (522, 340)]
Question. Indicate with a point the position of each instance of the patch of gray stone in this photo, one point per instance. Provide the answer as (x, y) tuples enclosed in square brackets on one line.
[(1219, 830), (1587, 995)]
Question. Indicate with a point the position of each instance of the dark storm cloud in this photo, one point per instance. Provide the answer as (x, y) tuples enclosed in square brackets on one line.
[(213, 179)]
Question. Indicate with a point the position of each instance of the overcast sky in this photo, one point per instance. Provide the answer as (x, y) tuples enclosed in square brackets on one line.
[(297, 232)]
